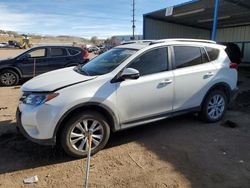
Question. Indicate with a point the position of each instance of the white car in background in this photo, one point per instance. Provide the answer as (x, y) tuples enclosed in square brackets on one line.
[(127, 86), (3, 45), (93, 49)]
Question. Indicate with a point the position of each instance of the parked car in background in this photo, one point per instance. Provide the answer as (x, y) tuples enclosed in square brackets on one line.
[(174, 76), (93, 49), (13, 44), (3, 45), (39, 60)]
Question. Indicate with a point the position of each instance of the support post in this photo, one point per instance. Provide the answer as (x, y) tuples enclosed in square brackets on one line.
[(216, 10)]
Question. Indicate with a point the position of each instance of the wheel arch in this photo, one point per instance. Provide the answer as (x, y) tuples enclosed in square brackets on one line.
[(103, 109), (12, 69), (219, 86)]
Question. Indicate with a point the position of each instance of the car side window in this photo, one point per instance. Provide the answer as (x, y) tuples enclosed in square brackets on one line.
[(151, 62), (212, 53), (205, 58), (186, 56), (37, 53), (73, 51), (57, 52)]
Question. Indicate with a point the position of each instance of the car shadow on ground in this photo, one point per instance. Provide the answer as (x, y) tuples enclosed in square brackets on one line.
[(206, 155), (18, 153), (195, 150)]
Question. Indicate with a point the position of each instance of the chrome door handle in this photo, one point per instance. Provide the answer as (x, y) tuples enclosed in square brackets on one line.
[(167, 81), (209, 74)]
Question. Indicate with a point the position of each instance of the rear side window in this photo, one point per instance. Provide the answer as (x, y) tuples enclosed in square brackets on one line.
[(56, 52), (186, 56), (212, 53), (73, 51), (151, 62), (205, 58)]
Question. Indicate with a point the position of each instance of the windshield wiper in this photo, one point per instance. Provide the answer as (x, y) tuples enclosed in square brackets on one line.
[(80, 70), (83, 70)]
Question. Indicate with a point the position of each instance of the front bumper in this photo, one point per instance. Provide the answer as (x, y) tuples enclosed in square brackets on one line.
[(51, 141)]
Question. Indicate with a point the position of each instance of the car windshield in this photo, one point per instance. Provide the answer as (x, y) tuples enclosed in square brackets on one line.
[(107, 61)]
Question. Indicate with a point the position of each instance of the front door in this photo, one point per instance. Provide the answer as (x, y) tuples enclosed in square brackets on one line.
[(34, 62), (151, 95)]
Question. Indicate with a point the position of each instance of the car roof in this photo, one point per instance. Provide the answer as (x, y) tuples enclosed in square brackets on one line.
[(55, 46), (196, 42)]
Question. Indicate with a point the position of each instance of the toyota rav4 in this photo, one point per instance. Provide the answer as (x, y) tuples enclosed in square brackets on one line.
[(127, 86)]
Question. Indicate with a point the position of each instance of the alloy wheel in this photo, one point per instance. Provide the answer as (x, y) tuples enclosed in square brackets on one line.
[(8, 78), (80, 131), (216, 106)]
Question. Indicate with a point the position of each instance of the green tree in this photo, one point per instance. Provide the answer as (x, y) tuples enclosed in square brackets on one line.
[(94, 40)]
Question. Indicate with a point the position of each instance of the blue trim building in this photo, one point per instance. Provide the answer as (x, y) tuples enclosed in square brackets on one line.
[(220, 20)]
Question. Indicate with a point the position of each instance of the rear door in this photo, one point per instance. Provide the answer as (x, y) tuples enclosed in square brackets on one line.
[(58, 58), (77, 56), (192, 75)]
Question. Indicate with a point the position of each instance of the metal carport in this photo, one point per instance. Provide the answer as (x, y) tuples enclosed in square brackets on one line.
[(195, 19)]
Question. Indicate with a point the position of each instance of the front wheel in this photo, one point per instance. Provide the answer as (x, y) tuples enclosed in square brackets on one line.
[(74, 134), (214, 106), (8, 78)]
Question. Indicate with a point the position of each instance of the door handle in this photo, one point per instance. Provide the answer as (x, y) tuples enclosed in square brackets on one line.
[(167, 81), (209, 74)]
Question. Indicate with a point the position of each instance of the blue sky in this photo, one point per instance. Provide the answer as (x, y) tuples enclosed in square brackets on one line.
[(84, 18)]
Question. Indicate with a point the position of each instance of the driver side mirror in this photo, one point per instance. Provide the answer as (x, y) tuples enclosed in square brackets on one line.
[(130, 73)]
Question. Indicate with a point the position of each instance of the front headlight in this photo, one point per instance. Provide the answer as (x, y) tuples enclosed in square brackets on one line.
[(36, 99)]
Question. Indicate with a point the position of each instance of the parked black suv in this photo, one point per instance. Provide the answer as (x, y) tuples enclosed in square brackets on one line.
[(39, 60)]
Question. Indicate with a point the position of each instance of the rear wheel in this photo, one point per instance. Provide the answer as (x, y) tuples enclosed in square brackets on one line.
[(9, 78), (74, 134), (214, 106)]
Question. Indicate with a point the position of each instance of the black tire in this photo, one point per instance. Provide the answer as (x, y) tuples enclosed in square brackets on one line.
[(204, 114), (9, 78), (70, 126)]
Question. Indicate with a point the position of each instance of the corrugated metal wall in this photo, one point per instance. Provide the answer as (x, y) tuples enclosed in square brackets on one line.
[(155, 29), (234, 34), (240, 35)]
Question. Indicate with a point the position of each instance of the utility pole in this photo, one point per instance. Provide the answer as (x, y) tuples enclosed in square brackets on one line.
[(133, 21)]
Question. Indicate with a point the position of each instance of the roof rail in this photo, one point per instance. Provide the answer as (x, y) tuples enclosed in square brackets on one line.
[(183, 40), (137, 42)]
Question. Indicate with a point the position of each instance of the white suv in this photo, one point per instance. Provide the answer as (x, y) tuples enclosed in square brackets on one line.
[(129, 85)]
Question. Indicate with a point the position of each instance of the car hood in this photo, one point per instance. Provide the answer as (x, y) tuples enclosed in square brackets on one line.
[(5, 60), (55, 80)]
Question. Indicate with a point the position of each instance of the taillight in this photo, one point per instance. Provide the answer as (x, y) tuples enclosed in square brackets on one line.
[(233, 65)]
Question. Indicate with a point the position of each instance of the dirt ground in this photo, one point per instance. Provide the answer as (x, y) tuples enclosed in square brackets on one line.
[(181, 152), (5, 53)]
